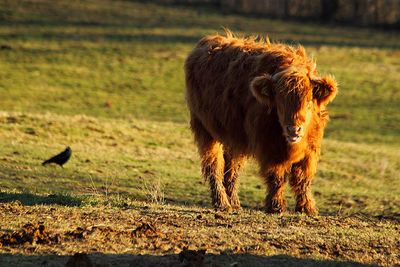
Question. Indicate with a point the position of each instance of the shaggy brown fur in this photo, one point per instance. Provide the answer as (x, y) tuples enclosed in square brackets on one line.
[(254, 98)]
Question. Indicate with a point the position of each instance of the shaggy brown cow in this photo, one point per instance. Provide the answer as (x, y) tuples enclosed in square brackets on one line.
[(255, 98)]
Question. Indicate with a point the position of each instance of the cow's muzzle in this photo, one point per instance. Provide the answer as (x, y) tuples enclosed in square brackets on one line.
[(294, 134)]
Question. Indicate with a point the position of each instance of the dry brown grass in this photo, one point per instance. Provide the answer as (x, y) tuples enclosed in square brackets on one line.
[(140, 233)]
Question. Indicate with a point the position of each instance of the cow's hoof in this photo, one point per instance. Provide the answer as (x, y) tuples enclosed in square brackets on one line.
[(223, 207), (309, 210), (235, 204), (276, 206)]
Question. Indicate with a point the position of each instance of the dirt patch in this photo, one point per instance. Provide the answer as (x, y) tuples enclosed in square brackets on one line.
[(31, 233), (147, 230), (164, 235), (85, 232)]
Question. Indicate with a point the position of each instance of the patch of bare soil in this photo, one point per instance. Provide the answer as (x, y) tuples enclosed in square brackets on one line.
[(156, 235), (30, 233)]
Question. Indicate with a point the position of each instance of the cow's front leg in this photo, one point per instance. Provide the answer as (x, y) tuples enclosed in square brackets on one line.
[(301, 177), (275, 201)]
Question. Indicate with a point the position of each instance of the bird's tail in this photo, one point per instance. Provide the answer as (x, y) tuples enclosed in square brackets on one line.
[(45, 162)]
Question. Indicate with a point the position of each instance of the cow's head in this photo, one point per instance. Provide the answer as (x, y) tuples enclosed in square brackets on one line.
[(296, 95)]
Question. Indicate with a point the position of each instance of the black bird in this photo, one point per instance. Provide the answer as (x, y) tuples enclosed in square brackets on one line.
[(59, 159)]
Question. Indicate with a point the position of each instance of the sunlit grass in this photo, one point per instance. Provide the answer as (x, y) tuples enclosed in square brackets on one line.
[(107, 79), (116, 158)]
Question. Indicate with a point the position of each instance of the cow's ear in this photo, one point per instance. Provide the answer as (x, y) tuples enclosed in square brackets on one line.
[(262, 89), (324, 89)]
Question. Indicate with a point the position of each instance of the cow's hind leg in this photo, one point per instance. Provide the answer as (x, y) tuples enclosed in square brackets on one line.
[(212, 164), (231, 178)]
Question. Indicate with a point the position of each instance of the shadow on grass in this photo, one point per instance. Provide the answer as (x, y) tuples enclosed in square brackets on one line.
[(31, 199), (108, 37), (183, 17), (334, 210), (224, 259), (181, 38)]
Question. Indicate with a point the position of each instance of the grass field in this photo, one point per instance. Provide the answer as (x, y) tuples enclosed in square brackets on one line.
[(106, 78)]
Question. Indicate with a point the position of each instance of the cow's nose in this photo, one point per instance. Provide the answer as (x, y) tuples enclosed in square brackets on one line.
[(293, 129)]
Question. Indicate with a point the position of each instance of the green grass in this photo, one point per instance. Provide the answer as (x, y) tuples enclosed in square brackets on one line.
[(106, 77)]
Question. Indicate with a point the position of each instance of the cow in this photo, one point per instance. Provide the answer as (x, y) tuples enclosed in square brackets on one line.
[(253, 98)]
